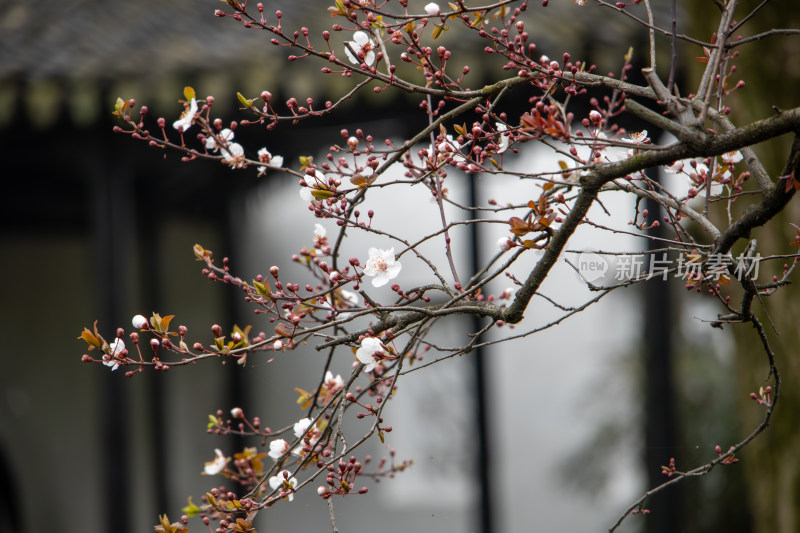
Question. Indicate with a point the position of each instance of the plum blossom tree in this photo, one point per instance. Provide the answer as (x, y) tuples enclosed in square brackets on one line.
[(710, 215)]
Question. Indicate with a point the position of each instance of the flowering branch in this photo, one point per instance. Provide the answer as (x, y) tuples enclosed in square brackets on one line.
[(569, 112)]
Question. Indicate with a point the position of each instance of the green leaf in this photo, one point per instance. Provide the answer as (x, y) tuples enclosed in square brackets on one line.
[(245, 102), (261, 288), (92, 340), (305, 160), (212, 501), (165, 322), (120, 106), (155, 322), (321, 194), (201, 253), (191, 509)]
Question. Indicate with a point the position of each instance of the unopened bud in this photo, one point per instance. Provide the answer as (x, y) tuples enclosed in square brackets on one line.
[(139, 322), (505, 244)]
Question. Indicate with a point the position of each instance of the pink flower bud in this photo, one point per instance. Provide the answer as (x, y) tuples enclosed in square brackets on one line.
[(139, 322), (505, 244)]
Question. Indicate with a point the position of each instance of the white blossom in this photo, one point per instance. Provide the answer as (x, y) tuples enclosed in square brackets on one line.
[(700, 173), (349, 297), (285, 482), (639, 137), (187, 117), (269, 160), (729, 158), (361, 43), (320, 240), (277, 448), (333, 383), (301, 426), (381, 266), (370, 352), (305, 194), (451, 146), (432, 9), (226, 135), (216, 466), (674, 168), (114, 349), (233, 155), (504, 137)]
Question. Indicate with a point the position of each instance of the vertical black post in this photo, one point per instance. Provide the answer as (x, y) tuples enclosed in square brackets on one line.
[(111, 196), (151, 265), (661, 431), (233, 224), (481, 369)]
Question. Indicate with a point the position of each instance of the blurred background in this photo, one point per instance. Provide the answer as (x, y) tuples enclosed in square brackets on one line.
[(97, 226)]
